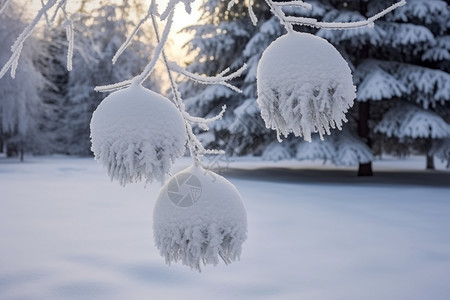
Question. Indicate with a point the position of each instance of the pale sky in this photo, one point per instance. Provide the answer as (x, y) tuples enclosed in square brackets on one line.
[(181, 20)]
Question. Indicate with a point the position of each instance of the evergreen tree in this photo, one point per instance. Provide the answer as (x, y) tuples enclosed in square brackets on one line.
[(20, 104), (98, 35), (404, 58)]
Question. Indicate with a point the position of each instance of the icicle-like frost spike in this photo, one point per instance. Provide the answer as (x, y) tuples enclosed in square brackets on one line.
[(70, 40), (137, 134), (304, 86), (199, 219), (251, 13)]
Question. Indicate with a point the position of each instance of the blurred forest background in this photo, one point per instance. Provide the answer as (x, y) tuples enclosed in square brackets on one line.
[(401, 70)]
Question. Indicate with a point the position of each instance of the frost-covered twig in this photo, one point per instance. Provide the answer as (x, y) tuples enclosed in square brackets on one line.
[(219, 79), (295, 3), (202, 122), (343, 25), (173, 3), (18, 45), (288, 21), (4, 6), (150, 66), (152, 10), (61, 5)]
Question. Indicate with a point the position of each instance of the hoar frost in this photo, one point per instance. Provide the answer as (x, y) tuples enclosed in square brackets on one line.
[(137, 134), (198, 218), (304, 86)]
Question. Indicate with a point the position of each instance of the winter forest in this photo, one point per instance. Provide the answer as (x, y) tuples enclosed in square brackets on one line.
[(400, 69), (260, 149)]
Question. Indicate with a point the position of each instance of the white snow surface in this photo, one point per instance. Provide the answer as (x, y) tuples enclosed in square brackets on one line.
[(304, 86), (137, 134), (198, 218), (314, 232)]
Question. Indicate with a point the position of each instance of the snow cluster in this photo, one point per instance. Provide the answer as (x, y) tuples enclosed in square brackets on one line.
[(304, 86), (198, 217), (136, 134)]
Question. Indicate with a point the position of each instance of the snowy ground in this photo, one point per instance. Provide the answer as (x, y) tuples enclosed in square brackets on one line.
[(66, 232)]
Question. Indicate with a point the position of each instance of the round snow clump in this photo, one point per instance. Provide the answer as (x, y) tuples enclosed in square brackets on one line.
[(304, 85), (136, 134), (198, 217)]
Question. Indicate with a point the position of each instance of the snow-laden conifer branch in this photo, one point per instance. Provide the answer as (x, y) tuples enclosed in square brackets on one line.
[(219, 79)]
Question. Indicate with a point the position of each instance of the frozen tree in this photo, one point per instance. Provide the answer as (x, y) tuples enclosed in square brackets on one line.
[(403, 58), (20, 104)]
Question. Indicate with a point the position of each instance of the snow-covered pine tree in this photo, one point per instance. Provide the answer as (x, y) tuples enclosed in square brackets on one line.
[(236, 41), (404, 58), (20, 104), (53, 67)]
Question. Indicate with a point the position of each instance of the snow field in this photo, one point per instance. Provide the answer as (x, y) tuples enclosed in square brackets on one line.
[(67, 232)]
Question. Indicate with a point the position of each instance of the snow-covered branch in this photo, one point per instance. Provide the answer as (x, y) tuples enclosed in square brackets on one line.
[(150, 66), (219, 79), (17, 47), (344, 25), (288, 21), (4, 6)]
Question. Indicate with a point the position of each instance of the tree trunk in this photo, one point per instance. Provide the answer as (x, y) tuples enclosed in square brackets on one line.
[(430, 157), (363, 131), (430, 162), (21, 151)]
